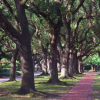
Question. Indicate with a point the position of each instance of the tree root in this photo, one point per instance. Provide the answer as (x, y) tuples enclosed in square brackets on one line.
[(57, 82), (62, 77), (23, 91)]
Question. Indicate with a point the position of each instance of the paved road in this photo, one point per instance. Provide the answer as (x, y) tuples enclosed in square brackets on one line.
[(3, 79)]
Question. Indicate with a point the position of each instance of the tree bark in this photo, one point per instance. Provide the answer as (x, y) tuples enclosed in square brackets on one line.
[(44, 51), (44, 68), (92, 67), (53, 43), (65, 59), (53, 57), (58, 62), (23, 40), (80, 65), (27, 84), (71, 72), (75, 62), (13, 65), (58, 67), (82, 68), (64, 66)]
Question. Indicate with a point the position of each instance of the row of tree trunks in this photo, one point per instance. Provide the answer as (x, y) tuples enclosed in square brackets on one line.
[(95, 67), (74, 65), (23, 40)]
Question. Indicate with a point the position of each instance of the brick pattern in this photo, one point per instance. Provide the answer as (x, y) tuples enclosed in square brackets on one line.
[(82, 90)]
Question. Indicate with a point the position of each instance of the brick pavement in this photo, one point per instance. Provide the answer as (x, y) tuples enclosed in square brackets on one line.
[(82, 90)]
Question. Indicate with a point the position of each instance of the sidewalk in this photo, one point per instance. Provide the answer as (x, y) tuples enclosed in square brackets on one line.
[(83, 90)]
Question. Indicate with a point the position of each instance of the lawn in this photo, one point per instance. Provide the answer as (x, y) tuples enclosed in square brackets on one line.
[(96, 88), (48, 91)]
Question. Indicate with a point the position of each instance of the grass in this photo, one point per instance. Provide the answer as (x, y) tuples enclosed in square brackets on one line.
[(48, 91), (96, 88)]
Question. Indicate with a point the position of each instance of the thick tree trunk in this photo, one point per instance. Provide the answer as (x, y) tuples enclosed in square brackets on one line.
[(44, 68), (48, 63), (76, 66), (80, 66), (92, 68), (53, 43), (53, 57), (13, 65), (27, 84), (65, 55), (75, 62), (23, 40), (70, 70), (64, 66), (44, 50), (58, 67), (58, 62)]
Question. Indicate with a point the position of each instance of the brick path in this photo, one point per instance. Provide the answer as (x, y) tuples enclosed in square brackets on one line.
[(83, 90)]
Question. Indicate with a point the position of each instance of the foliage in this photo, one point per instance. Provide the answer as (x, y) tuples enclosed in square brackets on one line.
[(4, 60), (95, 59), (2, 70), (8, 65)]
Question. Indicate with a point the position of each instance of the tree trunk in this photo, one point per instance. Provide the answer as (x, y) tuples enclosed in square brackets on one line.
[(80, 66), (53, 57), (71, 72), (58, 67), (23, 40), (91, 66), (48, 63), (75, 62), (13, 65), (44, 68), (27, 84), (64, 67), (65, 57), (58, 62), (53, 44)]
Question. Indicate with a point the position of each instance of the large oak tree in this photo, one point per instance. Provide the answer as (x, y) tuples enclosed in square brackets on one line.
[(23, 41)]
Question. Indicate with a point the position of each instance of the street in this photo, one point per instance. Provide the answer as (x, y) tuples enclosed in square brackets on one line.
[(6, 78)]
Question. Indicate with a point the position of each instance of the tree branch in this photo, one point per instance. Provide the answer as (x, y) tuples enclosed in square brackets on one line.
[(9, 29), (10, 10), (73, 12)]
